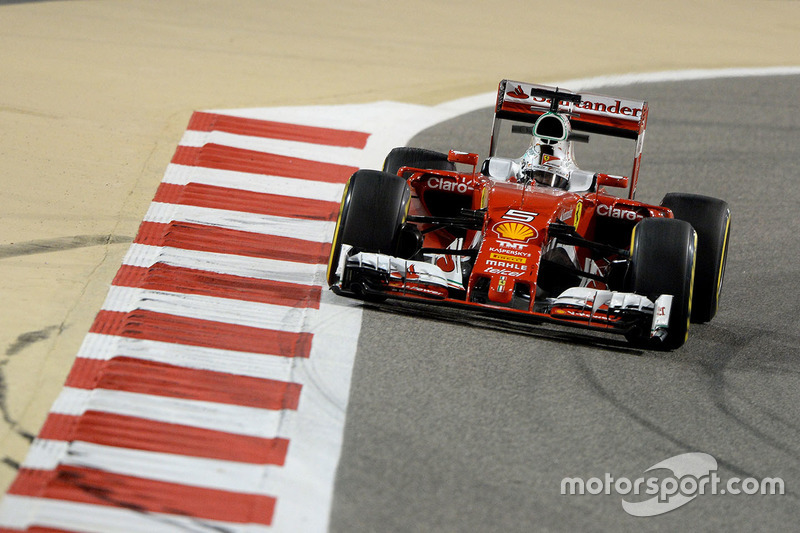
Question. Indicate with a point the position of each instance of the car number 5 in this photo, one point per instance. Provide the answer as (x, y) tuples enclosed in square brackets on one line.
[(519, 215)]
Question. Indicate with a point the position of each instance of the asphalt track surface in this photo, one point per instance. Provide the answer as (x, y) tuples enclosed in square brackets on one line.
[(459, 423)]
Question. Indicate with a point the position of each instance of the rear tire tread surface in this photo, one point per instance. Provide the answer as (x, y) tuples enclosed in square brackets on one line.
[(710, 218)]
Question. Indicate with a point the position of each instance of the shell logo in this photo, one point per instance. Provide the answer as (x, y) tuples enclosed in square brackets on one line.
[(515, 231)]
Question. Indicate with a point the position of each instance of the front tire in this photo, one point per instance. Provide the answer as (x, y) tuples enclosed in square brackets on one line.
[(663, 257), (711, 219), (373, 211)]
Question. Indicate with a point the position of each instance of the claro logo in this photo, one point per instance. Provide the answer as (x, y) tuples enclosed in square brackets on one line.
[(616, 212), (446, 185)]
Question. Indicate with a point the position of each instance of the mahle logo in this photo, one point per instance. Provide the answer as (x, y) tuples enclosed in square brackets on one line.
[(692, 474)]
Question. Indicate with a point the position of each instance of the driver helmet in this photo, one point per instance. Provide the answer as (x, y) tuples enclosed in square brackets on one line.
[(549, 160)]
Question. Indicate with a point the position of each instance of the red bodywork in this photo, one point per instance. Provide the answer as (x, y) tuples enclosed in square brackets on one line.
[(515, 232)]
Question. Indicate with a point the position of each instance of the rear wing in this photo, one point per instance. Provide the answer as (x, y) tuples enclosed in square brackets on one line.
[(589, 112)]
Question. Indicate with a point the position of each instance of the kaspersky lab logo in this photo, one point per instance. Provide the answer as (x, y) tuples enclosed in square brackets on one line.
[(692, 474)]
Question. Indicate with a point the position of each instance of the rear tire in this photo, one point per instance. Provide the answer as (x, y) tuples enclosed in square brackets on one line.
[(418, 158), (663, 260), (373, 211), (711, 219)]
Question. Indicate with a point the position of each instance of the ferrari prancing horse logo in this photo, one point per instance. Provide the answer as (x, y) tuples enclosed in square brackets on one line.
[(578, 211)]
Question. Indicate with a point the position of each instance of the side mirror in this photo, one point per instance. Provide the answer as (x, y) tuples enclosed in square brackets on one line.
[(463, 157), (609, 180)]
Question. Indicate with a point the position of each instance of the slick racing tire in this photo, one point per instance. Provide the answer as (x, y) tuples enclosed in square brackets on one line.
[(711, 219), (372, 214), (418, 158), (663, 258)]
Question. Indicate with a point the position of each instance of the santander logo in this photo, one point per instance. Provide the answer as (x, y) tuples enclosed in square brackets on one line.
[(518, 93), (594, 103)]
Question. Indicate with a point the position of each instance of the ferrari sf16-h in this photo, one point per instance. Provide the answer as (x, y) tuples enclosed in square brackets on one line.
[(535, 236)]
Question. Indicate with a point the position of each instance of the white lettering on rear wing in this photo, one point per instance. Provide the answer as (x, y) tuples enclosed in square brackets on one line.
[(596, 112)]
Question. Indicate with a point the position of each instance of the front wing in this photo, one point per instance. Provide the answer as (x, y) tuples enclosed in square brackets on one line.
[(379, 275)]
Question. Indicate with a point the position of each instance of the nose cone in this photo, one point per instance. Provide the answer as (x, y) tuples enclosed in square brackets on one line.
[(501, 290)]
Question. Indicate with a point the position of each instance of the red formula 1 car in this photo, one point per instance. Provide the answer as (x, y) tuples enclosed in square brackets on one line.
[(535, 235)]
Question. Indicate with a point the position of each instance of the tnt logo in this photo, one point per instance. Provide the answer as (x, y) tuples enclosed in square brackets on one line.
[(511, 245)]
